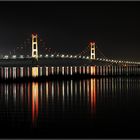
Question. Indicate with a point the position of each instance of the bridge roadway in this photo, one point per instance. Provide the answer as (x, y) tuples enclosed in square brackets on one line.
[(55, 62)]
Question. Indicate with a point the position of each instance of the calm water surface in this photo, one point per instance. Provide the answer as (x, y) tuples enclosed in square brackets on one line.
[(86, 108)]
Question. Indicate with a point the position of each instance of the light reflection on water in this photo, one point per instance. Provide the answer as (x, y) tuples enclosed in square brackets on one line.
[(14, 72), (34, 101), (49, 94), (67, 101), (61, 95)]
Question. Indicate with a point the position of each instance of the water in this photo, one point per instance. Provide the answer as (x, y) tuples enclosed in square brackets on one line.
[(86, 108)]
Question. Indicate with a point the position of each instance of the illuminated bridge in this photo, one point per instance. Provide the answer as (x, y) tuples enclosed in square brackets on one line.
[(33, 52)]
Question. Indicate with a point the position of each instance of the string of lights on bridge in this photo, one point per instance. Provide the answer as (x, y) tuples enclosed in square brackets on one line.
[(70, 57), (50, 53)]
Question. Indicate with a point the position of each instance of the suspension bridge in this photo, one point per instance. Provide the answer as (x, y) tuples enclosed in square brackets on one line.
[(34, 52)]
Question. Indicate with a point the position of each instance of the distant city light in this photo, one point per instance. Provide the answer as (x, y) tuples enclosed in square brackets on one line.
[(14, 56), (6, 57), (46, 55), (52, 55), (62, 55), (21, 56)]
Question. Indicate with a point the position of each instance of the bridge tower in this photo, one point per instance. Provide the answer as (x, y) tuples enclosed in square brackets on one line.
[(92, 50), (34, 46)]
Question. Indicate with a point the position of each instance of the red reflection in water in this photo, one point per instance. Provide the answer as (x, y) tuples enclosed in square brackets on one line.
[(34, 102), (29, 95), (93, 95)]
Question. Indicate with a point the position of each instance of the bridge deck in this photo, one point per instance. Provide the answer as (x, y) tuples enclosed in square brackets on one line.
[(50, 62)]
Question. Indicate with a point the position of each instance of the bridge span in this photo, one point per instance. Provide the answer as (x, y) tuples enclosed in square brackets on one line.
[(60, 59)]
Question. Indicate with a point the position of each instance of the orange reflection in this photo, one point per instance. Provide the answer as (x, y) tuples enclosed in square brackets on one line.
[(34, 102), (93, 95), (92, 70), (29, 95), (28, 71), (34, 71)]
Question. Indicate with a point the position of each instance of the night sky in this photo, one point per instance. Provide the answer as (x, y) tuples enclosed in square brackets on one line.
[(69, 26)]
